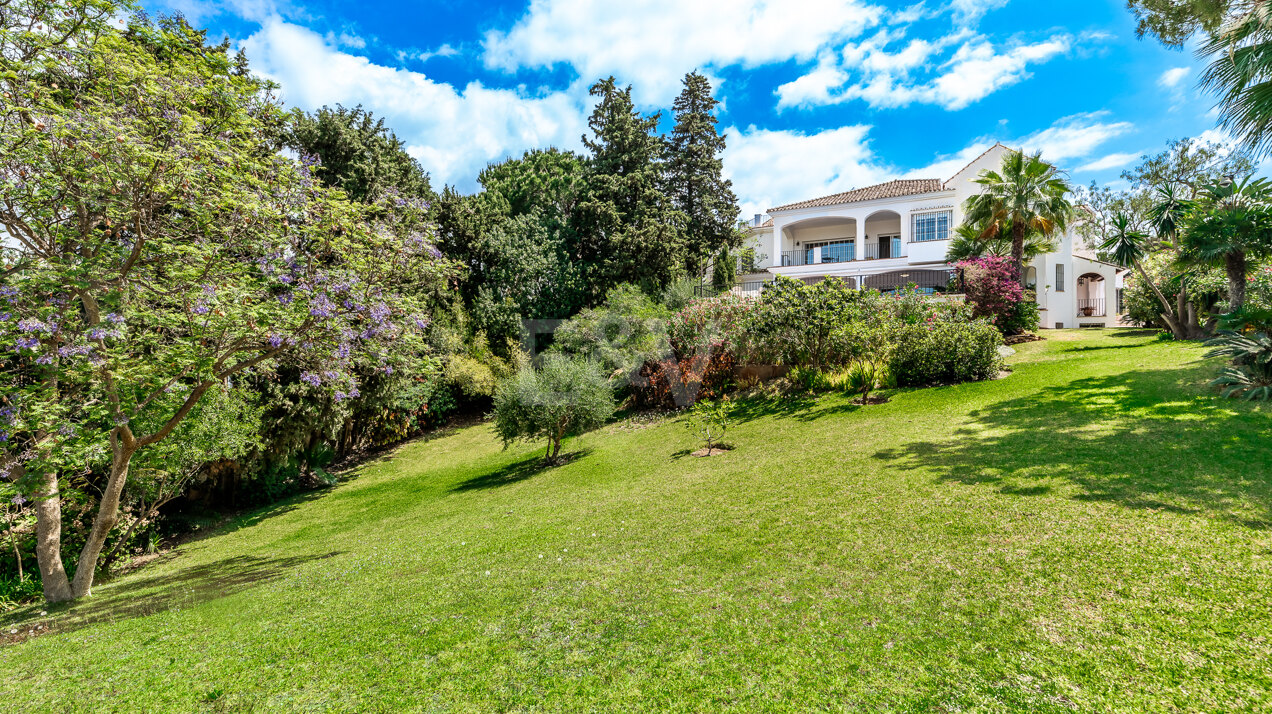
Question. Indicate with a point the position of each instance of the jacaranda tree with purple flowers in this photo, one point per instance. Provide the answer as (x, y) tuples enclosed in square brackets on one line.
[(160, 248)]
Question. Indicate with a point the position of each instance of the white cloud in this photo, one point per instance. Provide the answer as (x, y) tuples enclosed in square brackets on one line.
[(653, 43), (1112, 161), (1075, 137), (1172, 77), (973, 9), (813, 88), (346, 39), (769, 168), (972, 72), (446, 50), (453, 132)]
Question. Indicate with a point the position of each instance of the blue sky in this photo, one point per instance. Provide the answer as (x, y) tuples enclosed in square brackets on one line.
[(818, 96)]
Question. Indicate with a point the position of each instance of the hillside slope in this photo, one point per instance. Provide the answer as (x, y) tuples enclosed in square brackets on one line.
[(1090, 533)]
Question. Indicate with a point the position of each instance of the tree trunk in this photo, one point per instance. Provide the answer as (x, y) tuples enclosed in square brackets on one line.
[(1235, 266), (1018, 249), (107, 516), (13, 540), (1169, 315), (48, 541)]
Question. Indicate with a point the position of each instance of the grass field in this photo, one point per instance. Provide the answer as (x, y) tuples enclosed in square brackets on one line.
[(1091, 533)]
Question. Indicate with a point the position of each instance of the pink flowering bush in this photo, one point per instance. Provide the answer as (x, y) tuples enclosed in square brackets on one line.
[(992, 286)]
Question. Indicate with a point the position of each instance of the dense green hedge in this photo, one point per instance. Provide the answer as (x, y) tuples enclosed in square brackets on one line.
[(944, 352)]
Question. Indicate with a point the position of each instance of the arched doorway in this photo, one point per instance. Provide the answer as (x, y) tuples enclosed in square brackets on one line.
[(1090, 295)]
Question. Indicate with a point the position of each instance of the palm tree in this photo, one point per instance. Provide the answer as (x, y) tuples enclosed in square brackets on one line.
[(1128, 248), (1167, 212), (1230, 222), (970, 242), (1240, 72), (1026, 195)]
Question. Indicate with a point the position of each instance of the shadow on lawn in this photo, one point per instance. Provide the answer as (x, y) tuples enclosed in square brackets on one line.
[(519, 471), (144, 596), (801, 407), (1141, 439)]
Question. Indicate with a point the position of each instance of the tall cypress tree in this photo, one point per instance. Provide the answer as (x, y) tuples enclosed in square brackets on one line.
[(628, 230), (695, 177)]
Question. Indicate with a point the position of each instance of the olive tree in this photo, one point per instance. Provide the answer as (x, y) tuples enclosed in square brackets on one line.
[(565, 397)]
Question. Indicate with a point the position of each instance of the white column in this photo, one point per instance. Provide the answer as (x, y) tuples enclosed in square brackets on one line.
[(776, 257)]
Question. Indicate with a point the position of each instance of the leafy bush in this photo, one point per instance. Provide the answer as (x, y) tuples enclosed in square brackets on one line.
[(621, 336), (1250, 375), (564, 398), (672, 384), (804, 325), (711, 324), (946, 351), (992, 285)]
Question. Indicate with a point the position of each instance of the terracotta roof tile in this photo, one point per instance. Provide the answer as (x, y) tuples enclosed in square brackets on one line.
[(891, 189)]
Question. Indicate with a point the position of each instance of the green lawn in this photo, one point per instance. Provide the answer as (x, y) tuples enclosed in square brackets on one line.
[(1091, 533)]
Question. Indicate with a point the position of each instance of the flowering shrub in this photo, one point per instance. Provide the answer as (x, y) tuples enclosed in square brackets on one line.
[(707, 325), (672, 384), (992, 285)]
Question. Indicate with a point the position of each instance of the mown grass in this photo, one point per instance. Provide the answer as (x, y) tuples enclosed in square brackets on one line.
[(1090, 533)]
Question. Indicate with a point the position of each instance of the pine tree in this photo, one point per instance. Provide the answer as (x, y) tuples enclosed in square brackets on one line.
[(628, 230), (695, 177)]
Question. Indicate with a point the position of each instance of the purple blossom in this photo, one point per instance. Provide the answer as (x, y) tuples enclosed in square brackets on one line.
[(322, 307), (276, 341), (46, 358), (341, 396), (201, 308), (310, 378), (28, 343), (32, 325), (285, 298), (18, 500), (98, 333), (114, 318), (67, 430)]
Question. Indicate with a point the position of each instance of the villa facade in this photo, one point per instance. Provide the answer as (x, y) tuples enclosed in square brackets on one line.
[(896, 233)]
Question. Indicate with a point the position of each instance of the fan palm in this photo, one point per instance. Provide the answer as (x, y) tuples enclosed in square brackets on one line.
[(1128, 248), (970, 242), (1026, 195), (1240, 72), (1230, 223)]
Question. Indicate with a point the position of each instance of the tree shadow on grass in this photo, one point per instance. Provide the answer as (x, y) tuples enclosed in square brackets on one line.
[(801, 407), (519, 471), (1141, 439), (144, 596)]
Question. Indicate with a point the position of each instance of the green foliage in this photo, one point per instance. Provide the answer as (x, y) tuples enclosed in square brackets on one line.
[(1026, 196), (724, 271), (1240, 62), (1250, 375), (806, 325), (1174, 21), (359, 154), (709, 421), (946, 351), (565, 397), (695, 178), (628, 229), (516, 239), (627, 331)]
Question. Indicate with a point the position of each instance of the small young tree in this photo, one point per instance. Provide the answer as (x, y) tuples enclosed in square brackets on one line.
[(710, 421), (564, 398)]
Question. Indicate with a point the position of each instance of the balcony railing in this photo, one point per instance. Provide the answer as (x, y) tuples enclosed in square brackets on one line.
[(824, 255), (1091, 308), (753, 287)]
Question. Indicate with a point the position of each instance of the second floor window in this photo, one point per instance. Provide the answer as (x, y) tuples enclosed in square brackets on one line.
[(1059, 277), (931, 226)]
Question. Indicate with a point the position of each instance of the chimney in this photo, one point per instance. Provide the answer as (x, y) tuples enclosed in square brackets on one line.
[(759, 218)]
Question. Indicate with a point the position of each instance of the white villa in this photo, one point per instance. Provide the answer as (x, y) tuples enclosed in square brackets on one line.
[(887, 236)]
